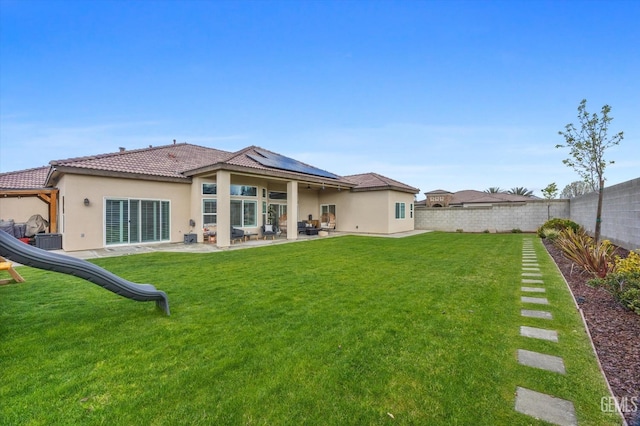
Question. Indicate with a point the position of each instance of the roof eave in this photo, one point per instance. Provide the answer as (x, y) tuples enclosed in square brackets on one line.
[(57, 170), (271, 173), (386, 188)]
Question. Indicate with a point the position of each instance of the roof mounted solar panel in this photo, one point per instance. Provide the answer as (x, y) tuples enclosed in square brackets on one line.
[(277, 161)]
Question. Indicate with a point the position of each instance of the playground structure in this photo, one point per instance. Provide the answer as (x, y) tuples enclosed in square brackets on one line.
[(5, 265), (16, 251)]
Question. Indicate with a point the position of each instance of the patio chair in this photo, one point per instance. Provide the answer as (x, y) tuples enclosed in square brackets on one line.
[(282, 224), (237, 234), (269, 231), (328, 222), (209, 234), (302, 227)]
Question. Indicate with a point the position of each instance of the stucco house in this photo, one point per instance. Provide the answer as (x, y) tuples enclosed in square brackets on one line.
[(160, 194)]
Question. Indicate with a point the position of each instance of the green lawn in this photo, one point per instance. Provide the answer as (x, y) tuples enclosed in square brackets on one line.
[(349, 330)]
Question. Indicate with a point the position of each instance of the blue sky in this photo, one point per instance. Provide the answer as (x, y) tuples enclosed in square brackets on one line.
[(437, 94)]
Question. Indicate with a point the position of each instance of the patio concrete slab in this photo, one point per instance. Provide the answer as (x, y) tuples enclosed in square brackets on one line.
[(536, 300), (531, 274), (551, 363), (531, 313), (533, 289), (530, 269), (529, 281), (545, 407), (539, 333)]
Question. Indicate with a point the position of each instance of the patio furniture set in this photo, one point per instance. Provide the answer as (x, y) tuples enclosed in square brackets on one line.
[(307, 227)]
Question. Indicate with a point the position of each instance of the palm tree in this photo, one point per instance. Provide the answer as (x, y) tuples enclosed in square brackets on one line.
[(520, 191), (493, 190)]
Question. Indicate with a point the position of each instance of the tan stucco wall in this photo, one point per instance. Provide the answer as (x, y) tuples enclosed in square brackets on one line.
[(264, 186), (369, 212), (83, 226), (21, 209), (308, 204)]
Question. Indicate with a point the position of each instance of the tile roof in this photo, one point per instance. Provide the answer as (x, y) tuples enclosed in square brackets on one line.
[(370, 181), (25, 179), (181, 161), (166, 161), (473, 196), (438, 191)]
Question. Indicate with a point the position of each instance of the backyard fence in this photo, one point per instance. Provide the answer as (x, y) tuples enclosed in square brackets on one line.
[(620, 215)]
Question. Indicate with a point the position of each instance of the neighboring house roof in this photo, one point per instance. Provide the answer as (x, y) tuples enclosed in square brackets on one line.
[(371, 181), (179, 161), (437, 192), (25, 179), (471, 196)]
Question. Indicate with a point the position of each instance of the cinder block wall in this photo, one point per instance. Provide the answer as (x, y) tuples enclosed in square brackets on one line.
[(506, 217), (620, 213)]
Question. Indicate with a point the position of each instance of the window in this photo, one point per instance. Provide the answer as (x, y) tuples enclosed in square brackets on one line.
[(209, 189), (244, 213), (244, 191), (130, 221), (328, 208), (209, 211), (276, 211), (328, 213), (400, 207), (264, 212), (277, 195)]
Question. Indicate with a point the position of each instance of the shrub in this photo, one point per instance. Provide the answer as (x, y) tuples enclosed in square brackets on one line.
[(550, 234), (516, 231), (624, 282), (558, 225), (580, 248)]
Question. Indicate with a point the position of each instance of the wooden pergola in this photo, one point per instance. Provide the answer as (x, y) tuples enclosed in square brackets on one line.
[(47, 195)]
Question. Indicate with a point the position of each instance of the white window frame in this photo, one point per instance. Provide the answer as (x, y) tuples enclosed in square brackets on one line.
[(135, 228), (209, 215)]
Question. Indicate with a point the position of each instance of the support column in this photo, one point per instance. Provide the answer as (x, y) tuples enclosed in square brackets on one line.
[(223, 206), (292, 210)]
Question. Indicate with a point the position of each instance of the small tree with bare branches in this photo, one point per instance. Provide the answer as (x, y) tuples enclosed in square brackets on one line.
[(586, 148)]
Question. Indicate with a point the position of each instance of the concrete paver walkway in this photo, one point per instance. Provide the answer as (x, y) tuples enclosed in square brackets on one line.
[(532, 403), (545, 407)]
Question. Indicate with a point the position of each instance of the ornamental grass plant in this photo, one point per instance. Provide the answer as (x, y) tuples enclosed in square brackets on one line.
[(596, 258), (348, 330)]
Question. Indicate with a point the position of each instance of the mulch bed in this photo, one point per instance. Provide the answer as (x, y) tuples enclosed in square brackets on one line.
[(615, 331)]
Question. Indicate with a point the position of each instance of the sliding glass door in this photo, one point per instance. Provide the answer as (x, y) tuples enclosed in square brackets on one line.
[(129, 221)]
